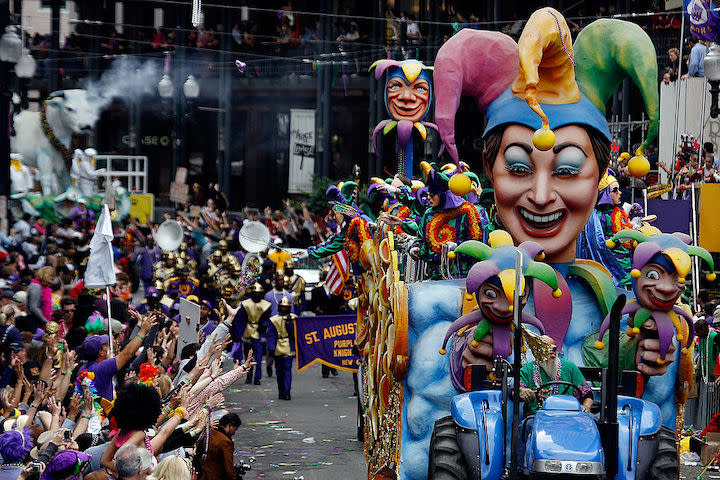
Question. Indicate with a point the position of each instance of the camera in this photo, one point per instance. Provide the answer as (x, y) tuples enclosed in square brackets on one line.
[(36, 467), (241, 469)]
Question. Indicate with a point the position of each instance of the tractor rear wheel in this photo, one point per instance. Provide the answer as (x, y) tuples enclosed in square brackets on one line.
[(446, 460), (665, 465)]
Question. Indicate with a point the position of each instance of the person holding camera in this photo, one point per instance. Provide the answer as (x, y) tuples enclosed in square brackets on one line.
[(217, 462)]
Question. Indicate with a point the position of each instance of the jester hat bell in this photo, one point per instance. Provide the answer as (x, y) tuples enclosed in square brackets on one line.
[(544, 81)]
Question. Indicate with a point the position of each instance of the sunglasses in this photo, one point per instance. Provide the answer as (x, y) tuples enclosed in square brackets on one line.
[(615, 190)]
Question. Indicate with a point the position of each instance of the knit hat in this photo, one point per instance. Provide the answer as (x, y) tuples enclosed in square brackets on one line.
[(66, 465)]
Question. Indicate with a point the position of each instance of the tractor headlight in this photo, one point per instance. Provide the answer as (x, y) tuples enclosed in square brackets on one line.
[(584, 467), (553, 466)]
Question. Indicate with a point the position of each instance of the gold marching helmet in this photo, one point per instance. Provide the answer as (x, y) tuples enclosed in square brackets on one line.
[(284, 302), (289, 264), (256, 287)]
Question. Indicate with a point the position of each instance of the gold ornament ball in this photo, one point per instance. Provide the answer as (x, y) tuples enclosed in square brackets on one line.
[(543, 139), (460, 184), (638, 166)]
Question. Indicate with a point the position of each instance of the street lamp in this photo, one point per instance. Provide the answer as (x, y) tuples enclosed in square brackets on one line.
[(711, 65), (165, 87), (25, 67), (191, 88), (10, 45)]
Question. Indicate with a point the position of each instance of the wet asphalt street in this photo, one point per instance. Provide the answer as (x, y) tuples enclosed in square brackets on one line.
[(311, 436)]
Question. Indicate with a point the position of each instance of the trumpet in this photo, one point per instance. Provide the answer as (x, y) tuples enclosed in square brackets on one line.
[(657, 190)]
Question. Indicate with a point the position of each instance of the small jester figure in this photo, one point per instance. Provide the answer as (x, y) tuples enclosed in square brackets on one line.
[(475, 190), (296, 286), (449, 220), (281, 345), (386, 195), (613, 219), (248, 325), (492, 282), (353, 223), (408, 94), (661, 262)]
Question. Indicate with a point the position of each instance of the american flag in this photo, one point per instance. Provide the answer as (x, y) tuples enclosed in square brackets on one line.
[(339, 272)]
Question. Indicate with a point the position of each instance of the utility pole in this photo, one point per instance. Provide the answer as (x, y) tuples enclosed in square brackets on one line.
[(225, 104), (54, 54), (5, 98)]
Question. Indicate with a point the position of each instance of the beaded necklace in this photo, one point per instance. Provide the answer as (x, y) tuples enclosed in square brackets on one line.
[(538, 381), (67, 153)]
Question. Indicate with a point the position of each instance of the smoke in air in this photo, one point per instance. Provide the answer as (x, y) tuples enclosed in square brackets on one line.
[(128, 79)]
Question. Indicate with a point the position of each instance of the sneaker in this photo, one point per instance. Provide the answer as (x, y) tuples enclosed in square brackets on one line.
[(248, 380), (256, 382), (334, 372)]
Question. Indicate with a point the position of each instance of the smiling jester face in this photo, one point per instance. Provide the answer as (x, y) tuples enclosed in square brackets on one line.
[(545, 196), (658, 287), (493, 301), (407, 100)]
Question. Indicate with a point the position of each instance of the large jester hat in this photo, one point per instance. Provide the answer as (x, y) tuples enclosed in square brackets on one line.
[(544, 82), (672, 252), (497, 265)]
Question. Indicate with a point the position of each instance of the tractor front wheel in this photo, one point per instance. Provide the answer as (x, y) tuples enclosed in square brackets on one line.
[(446, 460), (665, 465)]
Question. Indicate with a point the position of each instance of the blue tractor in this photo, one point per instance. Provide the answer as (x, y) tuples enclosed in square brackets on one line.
[(625, 441)]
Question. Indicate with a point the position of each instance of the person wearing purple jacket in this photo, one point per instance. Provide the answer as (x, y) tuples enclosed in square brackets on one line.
[(95, 349), (147, 257)]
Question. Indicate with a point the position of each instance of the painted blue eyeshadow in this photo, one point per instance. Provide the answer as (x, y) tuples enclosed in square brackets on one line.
[(570, 158)]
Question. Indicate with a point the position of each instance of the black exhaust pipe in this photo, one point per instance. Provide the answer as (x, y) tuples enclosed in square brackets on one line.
[(609, 413)]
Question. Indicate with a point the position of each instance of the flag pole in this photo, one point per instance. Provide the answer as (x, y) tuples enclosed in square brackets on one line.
[(109, 318)]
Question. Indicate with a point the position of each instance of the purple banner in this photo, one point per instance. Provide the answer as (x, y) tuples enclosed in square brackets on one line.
[(327, 339), (672, 215), (704, 23)]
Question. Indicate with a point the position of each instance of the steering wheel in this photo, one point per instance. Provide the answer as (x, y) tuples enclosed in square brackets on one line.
[(541, 397)]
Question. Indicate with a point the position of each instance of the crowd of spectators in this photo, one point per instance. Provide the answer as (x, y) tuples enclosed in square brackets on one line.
[(289, 37), (98, 386)]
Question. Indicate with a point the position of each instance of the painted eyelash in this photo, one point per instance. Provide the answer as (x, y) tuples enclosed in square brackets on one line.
[(566, 171), (518, 168)]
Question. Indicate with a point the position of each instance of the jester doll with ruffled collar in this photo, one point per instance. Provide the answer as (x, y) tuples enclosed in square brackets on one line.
[(386, 195), (492, 282), (408, 95), (661, 263), (352, 224), (449, 220)]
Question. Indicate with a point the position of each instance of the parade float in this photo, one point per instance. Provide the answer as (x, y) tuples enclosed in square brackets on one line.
[(547, 146), (45, 148)]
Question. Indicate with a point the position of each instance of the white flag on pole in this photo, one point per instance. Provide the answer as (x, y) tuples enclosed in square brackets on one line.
[(100, 271)]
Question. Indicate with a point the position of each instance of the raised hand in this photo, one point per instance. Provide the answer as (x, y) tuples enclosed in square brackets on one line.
[(75, 402)]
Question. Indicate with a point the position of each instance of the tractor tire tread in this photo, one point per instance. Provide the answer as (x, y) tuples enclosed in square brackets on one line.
[(446, 460), (665, 466)]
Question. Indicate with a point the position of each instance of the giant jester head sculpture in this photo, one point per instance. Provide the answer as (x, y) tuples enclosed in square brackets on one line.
[(546, 140)]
